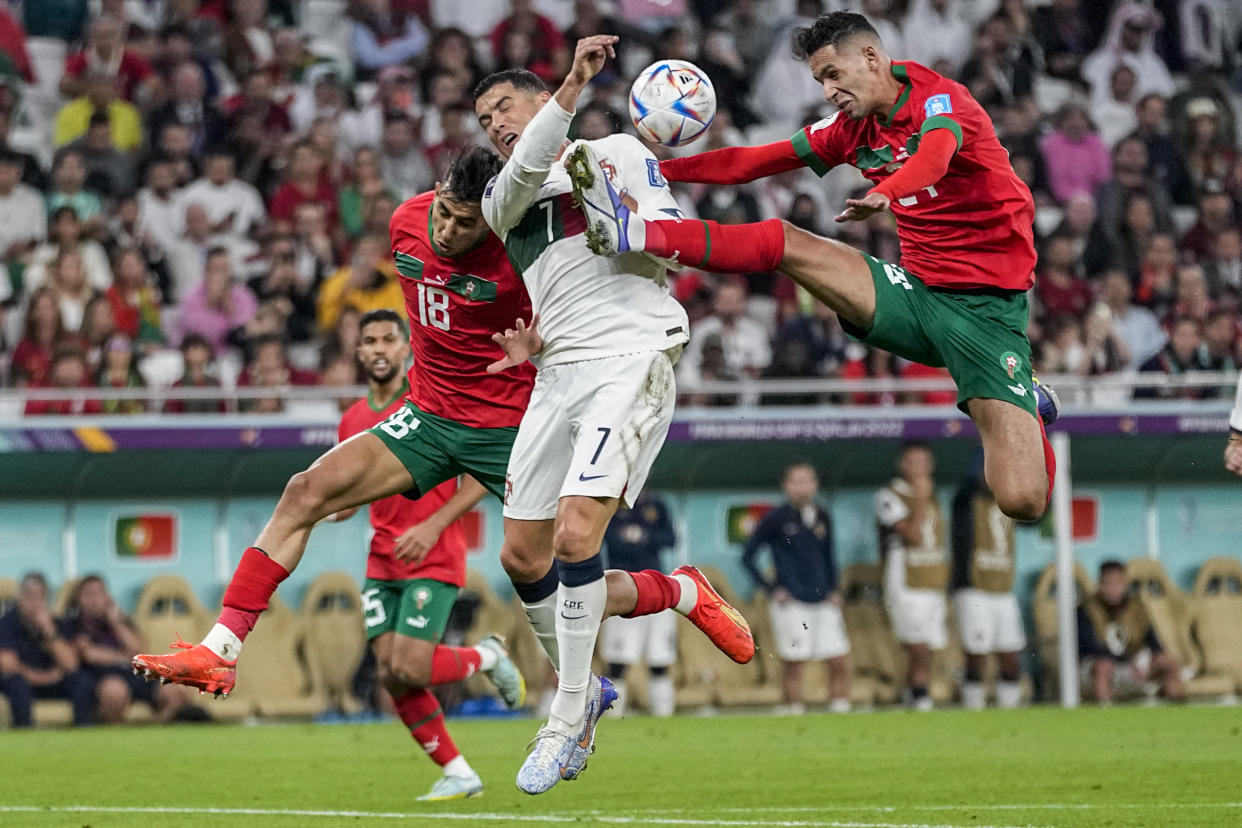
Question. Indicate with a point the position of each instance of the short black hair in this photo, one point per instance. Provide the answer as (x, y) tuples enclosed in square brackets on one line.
[(12, 159), (1112, 565), (520, 78), (382, 315), (830, 30), (194, 339), (469, 174)]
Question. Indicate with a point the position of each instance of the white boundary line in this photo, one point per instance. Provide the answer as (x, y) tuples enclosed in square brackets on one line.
[(1035, 806), (480, 815)]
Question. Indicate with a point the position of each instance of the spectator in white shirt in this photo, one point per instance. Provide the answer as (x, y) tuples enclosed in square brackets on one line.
[(1136, 325), (1131, 33), (403, 164), (161, 214), (233, 206), (66, 234), (934, 32), (23, 217), (745, 342)]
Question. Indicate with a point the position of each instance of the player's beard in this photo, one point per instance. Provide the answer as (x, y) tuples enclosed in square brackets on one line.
[(384, 379)]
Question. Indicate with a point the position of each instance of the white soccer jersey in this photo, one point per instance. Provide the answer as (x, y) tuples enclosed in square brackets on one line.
[(589, 306)]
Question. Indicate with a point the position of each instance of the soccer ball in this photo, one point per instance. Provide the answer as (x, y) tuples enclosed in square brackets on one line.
[(672, 102)]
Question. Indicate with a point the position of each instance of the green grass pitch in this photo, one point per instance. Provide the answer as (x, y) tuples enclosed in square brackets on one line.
[(1042, 767)]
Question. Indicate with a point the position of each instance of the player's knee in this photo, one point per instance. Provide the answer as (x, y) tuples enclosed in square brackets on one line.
[(410, 673), (523, 564), (1025, 504), (573, 541), (304, 497)]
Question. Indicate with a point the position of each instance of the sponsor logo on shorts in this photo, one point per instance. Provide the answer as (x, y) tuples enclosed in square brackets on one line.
[(508, 489), (1010, 362), (418, 622), (1020, 390)]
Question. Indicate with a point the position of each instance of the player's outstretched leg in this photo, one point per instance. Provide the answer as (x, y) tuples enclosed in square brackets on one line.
[(358, 471)]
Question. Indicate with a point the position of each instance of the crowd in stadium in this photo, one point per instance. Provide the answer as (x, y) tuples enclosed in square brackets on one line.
[(197, 192)]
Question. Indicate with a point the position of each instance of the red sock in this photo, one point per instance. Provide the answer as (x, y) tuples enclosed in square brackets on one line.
[(656, 592), (722, 248), (449, 664), (421, 713), (1050, 460), (254, 581)]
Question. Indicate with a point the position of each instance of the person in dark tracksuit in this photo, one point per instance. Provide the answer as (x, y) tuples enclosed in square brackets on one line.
[(804, 595)]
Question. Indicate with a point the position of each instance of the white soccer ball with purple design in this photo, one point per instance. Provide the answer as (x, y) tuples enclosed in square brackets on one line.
[(672, 102)]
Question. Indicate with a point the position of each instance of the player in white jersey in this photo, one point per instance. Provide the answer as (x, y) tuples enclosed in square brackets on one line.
[(607, 333)]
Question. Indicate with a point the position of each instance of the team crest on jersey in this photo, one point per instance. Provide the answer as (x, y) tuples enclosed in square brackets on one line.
[(508, 489), (937, 105), (609, 169), (422, 597), (1010, 361)]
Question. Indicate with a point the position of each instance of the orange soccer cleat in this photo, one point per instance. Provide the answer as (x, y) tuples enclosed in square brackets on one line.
[(196, 667), (718, 620)]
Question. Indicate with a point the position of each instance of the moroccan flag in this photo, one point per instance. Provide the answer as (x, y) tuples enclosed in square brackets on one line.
[(150, 537), (741, 520)]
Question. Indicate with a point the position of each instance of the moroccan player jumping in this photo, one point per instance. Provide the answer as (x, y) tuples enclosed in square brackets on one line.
[(460, 417), (416, 567), (963, 218), (604, 395)]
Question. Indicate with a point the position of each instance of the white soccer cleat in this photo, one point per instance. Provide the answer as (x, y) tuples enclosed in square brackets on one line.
[(454, 787), (546, 762), (600, 699), (608, 218), (504, 674)]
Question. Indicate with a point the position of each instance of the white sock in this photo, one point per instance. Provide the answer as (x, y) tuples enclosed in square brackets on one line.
[(223, 642), (661, 698), (689, 594), (623, 696), (1008, 694), (973, 696), (542, 617), (636, 232), (577, 625), (487, 658), (459, 767), (839, 706)]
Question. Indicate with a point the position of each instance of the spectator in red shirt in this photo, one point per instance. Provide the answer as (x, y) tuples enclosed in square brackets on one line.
[(105, 52), (42, 333), (134, 299), (1059, 288), (304, 183), (917, 371), (1215, 217), (543, 42), (69, 370), (256, 102)]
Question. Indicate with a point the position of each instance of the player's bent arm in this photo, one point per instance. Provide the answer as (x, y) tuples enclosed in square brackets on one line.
[(925, 167), (469, 493), (733, 165), (517, 185)]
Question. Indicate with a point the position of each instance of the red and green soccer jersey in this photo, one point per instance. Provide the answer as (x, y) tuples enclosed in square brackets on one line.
[(446, 561), (972, 228), (454, 307)]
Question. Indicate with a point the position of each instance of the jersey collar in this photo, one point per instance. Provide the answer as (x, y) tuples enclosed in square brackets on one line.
[(899, 72), (379, 409)]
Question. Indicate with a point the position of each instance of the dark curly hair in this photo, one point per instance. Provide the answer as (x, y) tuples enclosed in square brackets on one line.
[(469, 173), (830, 30)]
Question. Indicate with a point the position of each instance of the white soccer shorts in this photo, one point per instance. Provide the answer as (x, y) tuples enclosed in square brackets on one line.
[(808, 632), (989, 622), (918, 617), (628, 640), (593, 428)]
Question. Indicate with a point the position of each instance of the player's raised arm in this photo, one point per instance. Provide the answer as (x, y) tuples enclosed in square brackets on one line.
[(529, 127), (923, 170), (733, 165)]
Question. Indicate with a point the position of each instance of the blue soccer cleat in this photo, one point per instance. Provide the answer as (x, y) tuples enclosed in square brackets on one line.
[(608, 218), (601, 698), (1047, 403), (546, 762)]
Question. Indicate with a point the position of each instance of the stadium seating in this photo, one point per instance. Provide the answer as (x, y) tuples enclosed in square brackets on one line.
[(1047, 626), (1169, 611), (336, 638), (272, 677), (8, 593), (1217, 618), (60, 604), (167, 608), (879, 665)]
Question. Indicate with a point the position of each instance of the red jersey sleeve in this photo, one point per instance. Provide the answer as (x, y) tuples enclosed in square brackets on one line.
[(947, 106), (820, 145)]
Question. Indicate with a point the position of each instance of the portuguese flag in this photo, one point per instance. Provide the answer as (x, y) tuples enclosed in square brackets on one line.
[(147, 536), (741, 520)]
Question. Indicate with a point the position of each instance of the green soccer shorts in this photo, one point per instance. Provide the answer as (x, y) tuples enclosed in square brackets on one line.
[(434, 449), (979, 335), (418, 608)]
